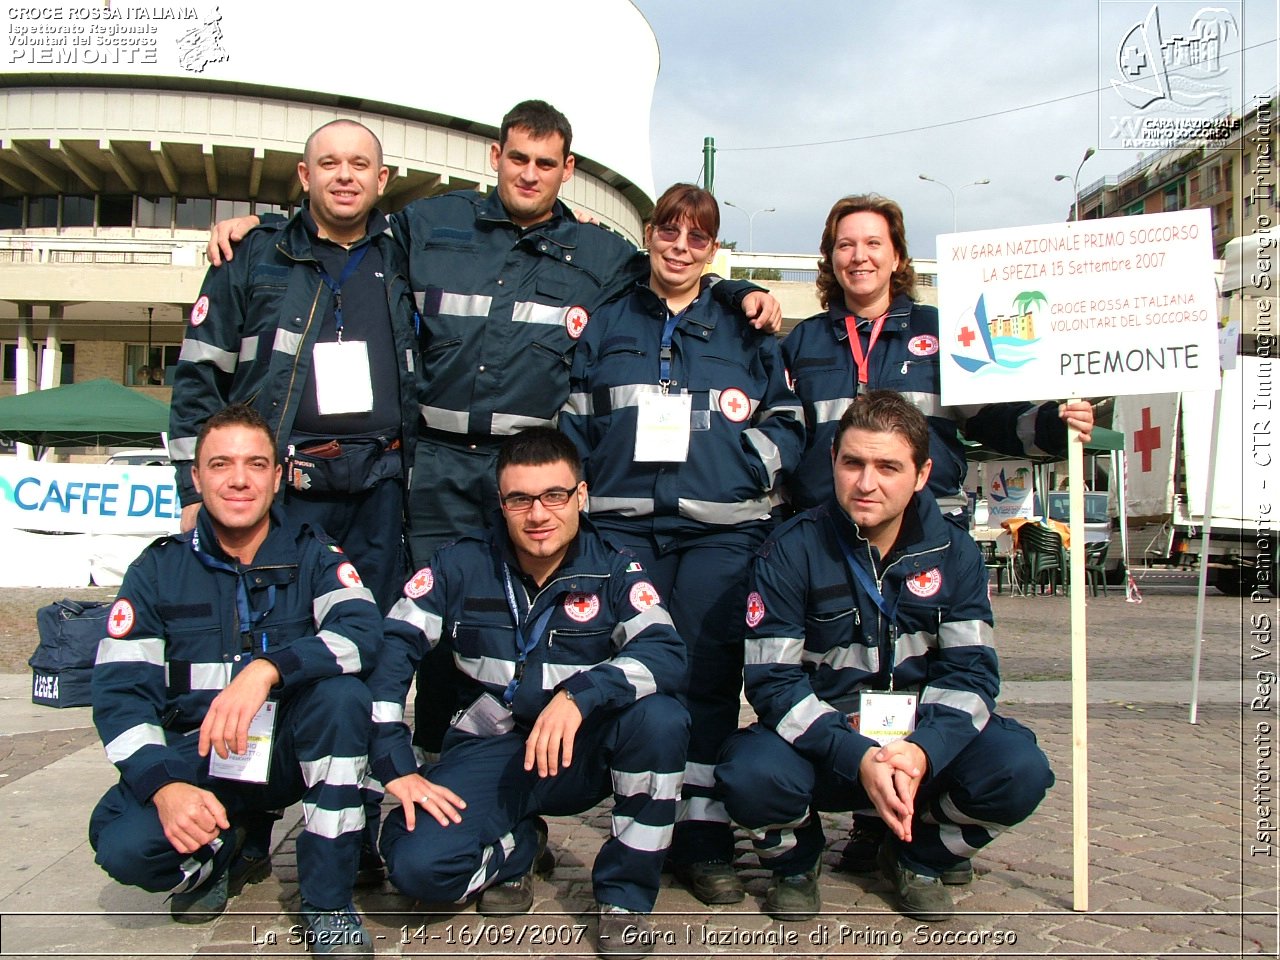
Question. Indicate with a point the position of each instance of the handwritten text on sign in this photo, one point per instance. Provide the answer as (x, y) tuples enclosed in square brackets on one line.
[(1117, 306)]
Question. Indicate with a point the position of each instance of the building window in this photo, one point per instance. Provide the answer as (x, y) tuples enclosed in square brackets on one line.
[(155, 212), (11, 362), (226, 209), (151, 367), (77, 211), (115, 210), (42, 212), (260, 208), (194, 213), (11, 213)]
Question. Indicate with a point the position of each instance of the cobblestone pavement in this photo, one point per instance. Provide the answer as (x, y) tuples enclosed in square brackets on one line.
[(1171, 826)]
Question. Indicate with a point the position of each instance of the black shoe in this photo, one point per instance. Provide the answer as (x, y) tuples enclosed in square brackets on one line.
[(515, 897), (859, 854), (245, 870), (203, 904), (914, 894), (711, 881), (507, 899), (622, 933), (336, 933), (371, 870), (793, 896)]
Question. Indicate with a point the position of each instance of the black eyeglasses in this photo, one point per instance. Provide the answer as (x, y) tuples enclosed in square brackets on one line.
[(670, 233), (551, 499)]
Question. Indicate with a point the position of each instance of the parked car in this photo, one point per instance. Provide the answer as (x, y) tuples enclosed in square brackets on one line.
[(148, 457)]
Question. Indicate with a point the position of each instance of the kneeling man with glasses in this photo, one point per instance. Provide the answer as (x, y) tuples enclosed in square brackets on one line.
[(570, 666)]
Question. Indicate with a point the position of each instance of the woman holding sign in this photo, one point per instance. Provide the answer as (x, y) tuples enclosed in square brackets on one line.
[(874, 335), (687, 430)]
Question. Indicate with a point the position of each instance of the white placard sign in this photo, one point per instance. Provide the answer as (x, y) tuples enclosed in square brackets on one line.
[(1107, 307)]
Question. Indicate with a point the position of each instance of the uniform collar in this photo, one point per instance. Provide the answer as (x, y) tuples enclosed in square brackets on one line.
[(922, 528), (697, 314), (560, 228), (204, 539), (897, 319)]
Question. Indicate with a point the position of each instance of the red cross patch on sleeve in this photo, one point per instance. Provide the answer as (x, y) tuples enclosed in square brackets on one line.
[(643, 596), (420, 584), (755, 609), (200, 310), (348, 576), (121, 618)]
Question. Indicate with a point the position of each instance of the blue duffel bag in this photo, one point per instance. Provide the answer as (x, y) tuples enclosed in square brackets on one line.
[(62, 665)]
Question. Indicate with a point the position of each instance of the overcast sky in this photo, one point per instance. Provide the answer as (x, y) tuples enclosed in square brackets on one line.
[(764, 73)]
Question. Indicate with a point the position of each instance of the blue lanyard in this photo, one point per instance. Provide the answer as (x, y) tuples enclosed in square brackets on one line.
[(664, 357), (869, 587), (524, 643), (335, 286), (248, 617)]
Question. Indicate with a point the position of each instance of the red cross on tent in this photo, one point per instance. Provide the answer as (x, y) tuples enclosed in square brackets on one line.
[(1146, 441)]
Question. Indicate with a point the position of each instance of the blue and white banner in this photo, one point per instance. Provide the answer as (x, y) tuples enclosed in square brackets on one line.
[(87, 498)]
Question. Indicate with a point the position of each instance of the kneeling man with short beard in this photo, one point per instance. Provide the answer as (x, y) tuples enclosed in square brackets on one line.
[(869, 661), (569, 669)]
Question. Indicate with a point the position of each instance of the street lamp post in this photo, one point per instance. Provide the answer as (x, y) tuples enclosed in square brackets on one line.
[(976, 183), (751, 220), (1075, 183)]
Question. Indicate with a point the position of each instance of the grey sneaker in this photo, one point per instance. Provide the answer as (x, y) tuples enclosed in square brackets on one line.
[(336, 933), (913, 894), (515, 897), (711, 881), (793, 896), (622, 933)]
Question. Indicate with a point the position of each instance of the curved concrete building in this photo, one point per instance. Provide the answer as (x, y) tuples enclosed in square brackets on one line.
[(126, 130)]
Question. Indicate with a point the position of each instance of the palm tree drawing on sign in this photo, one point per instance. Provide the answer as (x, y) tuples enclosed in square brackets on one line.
[(1029, 300)]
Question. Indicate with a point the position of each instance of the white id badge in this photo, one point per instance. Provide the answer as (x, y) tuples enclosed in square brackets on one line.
[(662, 427), (886, 717), (486, 717), (253, 765), (342, 377)]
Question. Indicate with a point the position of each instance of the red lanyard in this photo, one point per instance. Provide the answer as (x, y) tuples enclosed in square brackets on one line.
[(855, 344)]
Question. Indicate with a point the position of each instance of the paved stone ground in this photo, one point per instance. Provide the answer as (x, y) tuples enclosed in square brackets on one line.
[(1171, 823)]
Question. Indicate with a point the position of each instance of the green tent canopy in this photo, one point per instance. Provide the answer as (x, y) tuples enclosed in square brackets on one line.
[(96, 413)]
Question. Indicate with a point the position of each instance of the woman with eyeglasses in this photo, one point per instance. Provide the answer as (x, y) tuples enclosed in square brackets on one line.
[(687, 429)]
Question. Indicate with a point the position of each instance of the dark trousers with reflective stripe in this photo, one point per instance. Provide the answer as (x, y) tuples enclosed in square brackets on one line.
[(326, 719), (369, 526), (997, 781), (703, 581), (636, 754), (454, 490)]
